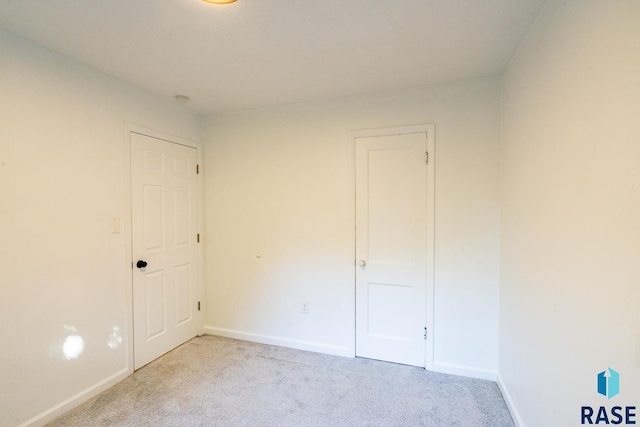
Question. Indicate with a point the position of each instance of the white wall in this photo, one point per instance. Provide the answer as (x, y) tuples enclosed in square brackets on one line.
[(279, 181), (570, 279), (61, 180)]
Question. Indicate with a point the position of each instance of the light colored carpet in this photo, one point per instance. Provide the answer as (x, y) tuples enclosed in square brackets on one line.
[(213, 381)]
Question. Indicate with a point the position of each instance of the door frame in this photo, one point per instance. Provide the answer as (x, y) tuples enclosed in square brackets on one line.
[(429, 129), (126, 225)]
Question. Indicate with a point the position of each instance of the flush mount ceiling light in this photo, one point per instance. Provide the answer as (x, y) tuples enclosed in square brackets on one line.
[(219, 1)]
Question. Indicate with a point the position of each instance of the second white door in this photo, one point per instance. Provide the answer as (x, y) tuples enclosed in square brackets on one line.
[(391, 245), (164, 245)]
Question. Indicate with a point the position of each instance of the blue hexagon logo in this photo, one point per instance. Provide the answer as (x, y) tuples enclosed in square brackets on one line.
[(609, 383)]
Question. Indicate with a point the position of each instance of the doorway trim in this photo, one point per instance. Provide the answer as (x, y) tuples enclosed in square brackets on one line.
[(130, 128), (429, 129)]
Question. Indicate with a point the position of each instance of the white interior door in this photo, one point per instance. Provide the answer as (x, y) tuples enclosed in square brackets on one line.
[(391, 247), (164, 236)]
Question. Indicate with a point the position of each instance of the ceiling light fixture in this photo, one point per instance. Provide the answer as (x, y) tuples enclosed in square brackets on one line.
[(219, 1)]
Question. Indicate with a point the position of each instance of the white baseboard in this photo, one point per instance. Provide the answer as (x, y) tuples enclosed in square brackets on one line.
[(464, 371), (59, 409), (279, 341), (509, 401)]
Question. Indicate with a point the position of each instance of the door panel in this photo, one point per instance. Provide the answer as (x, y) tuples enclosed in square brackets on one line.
[(388, 316), (181, 230), (389, 202), (153, 202), (183, 293), (164, 224), (391, 240)]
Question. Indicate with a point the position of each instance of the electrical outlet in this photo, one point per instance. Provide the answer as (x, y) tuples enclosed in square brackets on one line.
[(305, 308), (114, 225)]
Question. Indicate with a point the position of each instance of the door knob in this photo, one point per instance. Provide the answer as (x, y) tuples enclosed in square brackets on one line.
[(141, 264), (362, 263)]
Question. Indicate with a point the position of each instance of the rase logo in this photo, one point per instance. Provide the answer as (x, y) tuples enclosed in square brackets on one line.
[(609, 386)]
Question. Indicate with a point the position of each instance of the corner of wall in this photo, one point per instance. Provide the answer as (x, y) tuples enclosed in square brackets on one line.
[(509, 401)]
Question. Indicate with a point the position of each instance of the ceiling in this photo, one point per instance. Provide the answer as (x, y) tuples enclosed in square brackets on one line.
[(258, 53)]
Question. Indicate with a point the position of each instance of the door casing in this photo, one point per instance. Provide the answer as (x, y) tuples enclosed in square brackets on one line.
[(429, 129), (126, 223)]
